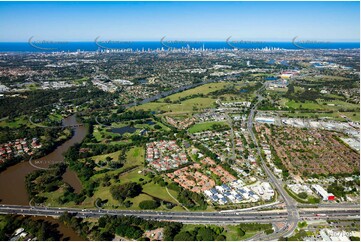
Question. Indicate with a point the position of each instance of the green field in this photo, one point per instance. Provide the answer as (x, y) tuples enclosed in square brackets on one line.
[(203, 89), (305, 105), (204, 126), (156, 190), (354, 116), (189, 105), (322, 105), (16, 122), (101, 133)]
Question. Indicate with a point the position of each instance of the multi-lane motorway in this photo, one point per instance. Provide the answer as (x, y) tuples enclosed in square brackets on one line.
[(190, 217)]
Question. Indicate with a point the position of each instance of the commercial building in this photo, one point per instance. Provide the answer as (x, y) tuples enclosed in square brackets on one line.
[(323, 193)]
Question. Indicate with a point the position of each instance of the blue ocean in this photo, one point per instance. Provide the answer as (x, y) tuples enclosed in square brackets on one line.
[(158, 45)]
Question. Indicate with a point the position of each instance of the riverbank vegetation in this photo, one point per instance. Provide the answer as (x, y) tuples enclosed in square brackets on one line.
[(39, 229), (133, 228)]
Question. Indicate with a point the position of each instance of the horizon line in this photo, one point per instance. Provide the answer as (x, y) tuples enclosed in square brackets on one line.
[(195, 41)]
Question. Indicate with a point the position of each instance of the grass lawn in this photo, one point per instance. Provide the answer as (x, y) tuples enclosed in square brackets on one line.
[(135, 156), (132, 176), (53, 199), (354, 116), (203, 89), (339, 104), (97, 133), (232, 234), (113, 155), (101, 132), (158, 191), (98, 158), (241, 97), (164, 128), (56, 117), (185, 106), (16, 123), (305, 105), (204, 126), (104, 194), (136, 200), (320, 104), (151, 126)]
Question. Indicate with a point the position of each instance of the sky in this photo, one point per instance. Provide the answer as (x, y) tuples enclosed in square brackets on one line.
[(117, 21)]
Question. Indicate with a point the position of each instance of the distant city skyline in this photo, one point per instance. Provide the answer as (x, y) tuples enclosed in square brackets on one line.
[(206, 21)]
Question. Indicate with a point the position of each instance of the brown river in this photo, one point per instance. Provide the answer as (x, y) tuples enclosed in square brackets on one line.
[(12, 180)]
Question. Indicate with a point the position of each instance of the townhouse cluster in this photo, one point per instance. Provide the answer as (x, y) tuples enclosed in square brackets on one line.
[(190, 178), (237, 192), (236, 104), (165, 155), (224, 175), (210, 116), (19, 147), (180, 124)]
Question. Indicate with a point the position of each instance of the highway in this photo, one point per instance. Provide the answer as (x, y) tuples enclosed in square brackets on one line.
[(293, 215), (270, 216)]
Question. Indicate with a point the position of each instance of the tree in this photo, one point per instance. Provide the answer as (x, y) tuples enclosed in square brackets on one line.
[(149, 204), (184, 236), (221, 237), (241, 233), (171, 230), (129, 231), (205, 234), (302, 195), (121, 192)]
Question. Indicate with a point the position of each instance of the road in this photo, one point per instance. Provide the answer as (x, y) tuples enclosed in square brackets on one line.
[(291, 205), (230, 123), (189, 217)]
